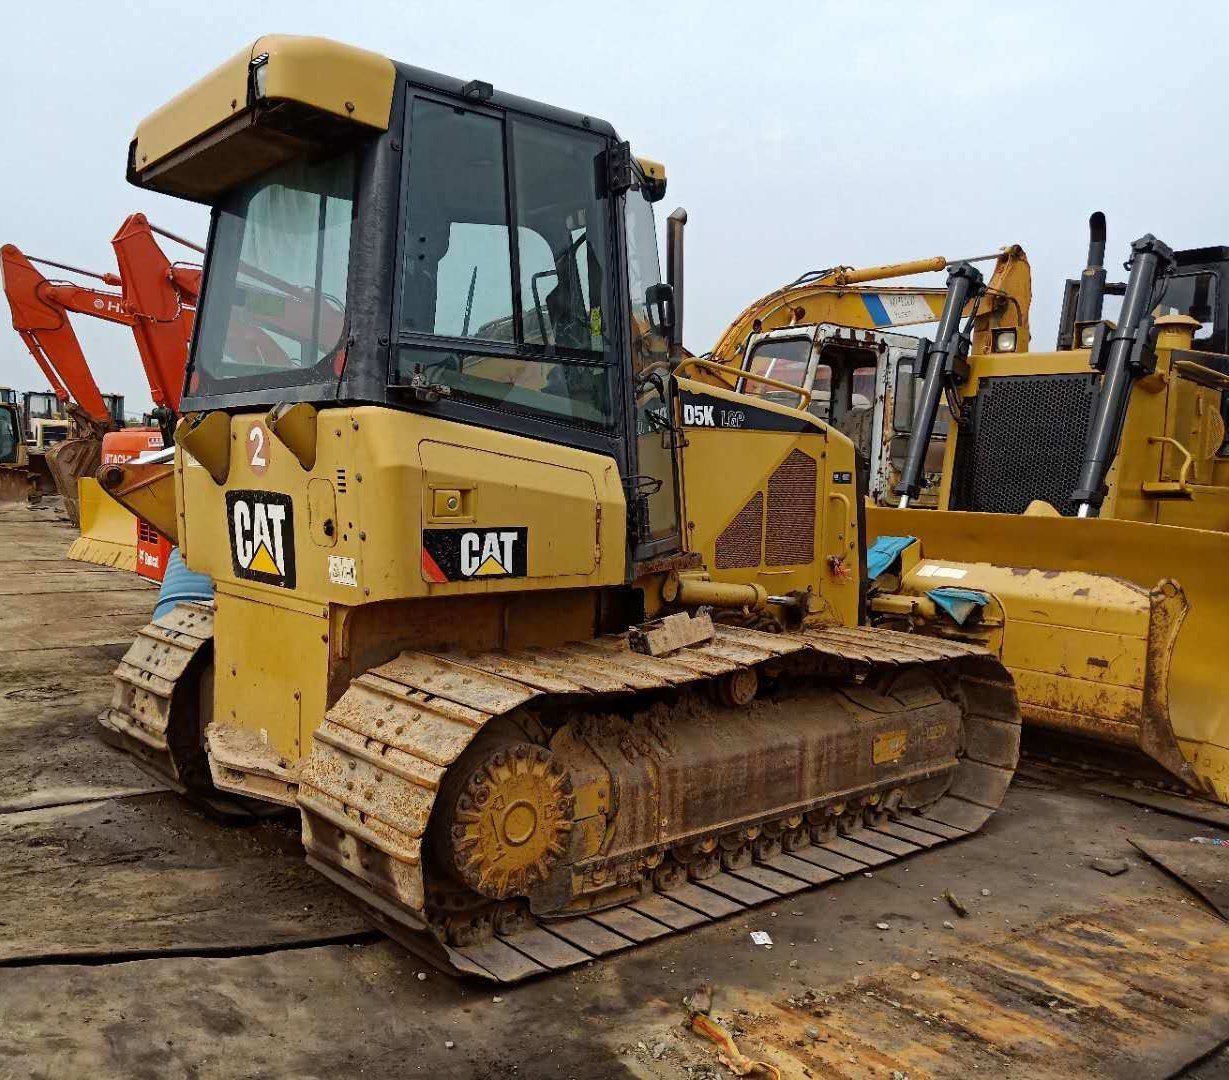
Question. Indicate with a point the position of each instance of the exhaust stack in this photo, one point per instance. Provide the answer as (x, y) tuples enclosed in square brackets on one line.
[(1122, 355)]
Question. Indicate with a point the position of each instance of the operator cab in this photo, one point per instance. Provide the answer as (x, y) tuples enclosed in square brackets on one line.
[(861, 383), (433, 245)]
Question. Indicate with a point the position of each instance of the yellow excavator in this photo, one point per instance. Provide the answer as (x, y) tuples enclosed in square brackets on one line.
[(463, 525), (839, 335), (1084, 512)]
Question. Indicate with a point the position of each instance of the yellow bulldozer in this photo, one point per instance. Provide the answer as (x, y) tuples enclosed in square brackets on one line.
[(555, 649), (1084, 512)]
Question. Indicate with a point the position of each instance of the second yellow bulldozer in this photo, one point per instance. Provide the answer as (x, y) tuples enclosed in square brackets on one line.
[(554, 649)]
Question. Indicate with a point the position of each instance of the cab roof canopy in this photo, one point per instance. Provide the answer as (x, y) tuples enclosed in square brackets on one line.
[(285, 97)]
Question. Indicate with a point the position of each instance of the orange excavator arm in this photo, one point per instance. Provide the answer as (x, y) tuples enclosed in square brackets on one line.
[(40, 316), (161, 298), (843, 297)]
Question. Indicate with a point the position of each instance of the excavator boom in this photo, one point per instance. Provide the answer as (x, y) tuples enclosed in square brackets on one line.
[(840, 297)]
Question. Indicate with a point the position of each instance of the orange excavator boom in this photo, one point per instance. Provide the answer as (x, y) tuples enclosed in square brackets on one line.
[(40, 316)]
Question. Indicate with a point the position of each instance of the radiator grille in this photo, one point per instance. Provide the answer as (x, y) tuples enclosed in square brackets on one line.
[(740, 542), (790, 533), (1024, 441)]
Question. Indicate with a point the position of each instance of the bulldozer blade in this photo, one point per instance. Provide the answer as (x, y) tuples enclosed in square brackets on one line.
[(1114, 630), (17, 485), (108, 531)]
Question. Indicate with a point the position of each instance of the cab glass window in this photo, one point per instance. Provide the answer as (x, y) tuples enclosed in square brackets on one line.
[(8, 435), (903, 403), (504, 267), (785, 360), (274, 304)]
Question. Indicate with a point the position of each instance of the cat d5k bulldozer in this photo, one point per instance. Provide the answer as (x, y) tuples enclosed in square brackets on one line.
[(454, 495)]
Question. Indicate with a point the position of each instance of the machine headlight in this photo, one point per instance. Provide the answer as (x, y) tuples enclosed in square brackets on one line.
[(1087, 335), (1005, 341)]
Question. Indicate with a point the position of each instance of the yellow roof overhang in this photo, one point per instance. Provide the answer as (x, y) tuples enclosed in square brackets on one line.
[(220, 131)]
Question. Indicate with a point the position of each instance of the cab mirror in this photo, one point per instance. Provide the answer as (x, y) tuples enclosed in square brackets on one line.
[(660, 301)]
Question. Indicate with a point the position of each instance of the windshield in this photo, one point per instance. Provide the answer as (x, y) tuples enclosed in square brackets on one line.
[(503, 289), (8, 435), (1193, 295), (273, 310)]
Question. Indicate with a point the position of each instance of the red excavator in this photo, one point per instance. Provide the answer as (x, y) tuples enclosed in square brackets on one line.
[(157, 301)]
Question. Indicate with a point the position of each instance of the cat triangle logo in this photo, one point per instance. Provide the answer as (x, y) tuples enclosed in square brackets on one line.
[(262, 562), (490, 567)]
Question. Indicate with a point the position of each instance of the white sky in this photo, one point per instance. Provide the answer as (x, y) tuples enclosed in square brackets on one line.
[(798, 136)]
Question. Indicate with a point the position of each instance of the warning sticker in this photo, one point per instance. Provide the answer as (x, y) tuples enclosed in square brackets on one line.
[(889, 747), (932, 570), (341, 571)]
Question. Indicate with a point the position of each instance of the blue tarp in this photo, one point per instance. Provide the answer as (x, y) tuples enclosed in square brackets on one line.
[(883, 553), (958, 603), (181, 585)]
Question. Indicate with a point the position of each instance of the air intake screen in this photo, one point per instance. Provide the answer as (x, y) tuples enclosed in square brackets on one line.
[(740, 542), (790, 535), (1024, 441)]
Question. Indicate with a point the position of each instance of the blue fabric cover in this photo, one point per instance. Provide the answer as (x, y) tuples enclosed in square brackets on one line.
[(181, 585), (958, 603), (883, 553)]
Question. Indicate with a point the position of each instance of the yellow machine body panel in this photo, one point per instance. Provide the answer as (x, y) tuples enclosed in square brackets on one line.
[(774, 508), (1114, 630), (347, 536), (205, 139), (398, 507)]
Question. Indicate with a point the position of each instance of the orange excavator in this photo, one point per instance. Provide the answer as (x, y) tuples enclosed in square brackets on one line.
[(156, 300)]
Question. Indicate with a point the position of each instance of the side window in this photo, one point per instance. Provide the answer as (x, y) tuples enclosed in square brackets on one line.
[(643, 272), (458, 263), (785, 360), (504, 276), (1193, 295)]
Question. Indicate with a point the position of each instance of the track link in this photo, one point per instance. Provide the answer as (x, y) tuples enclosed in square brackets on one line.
[(379, 758), (150, 685)]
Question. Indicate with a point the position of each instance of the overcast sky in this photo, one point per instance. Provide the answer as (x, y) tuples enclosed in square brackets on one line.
[(798, 136)]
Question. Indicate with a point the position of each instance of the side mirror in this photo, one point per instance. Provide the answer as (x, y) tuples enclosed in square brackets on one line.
[(660, 301)]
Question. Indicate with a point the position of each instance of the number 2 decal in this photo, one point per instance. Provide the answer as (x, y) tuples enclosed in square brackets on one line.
[(257, 440)]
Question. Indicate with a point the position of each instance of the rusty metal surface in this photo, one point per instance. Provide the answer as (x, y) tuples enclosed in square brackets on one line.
[(370, 785)]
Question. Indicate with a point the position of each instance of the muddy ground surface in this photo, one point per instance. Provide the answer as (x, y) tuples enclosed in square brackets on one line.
[(140, 937)]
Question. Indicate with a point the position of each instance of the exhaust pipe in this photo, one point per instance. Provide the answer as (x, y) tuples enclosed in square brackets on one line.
[(1091, 297), (1122, 355), (675, 224)]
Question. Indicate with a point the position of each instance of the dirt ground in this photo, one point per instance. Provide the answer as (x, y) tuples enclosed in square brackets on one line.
[(140, 937)]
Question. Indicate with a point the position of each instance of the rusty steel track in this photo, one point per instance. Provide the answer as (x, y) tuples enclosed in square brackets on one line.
[(150, 684), (381, 755)]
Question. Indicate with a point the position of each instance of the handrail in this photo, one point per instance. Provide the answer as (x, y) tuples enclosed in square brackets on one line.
[(737, 373), (1180, 485)]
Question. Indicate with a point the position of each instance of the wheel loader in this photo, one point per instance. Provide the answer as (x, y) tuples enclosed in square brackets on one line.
[(463, 619)]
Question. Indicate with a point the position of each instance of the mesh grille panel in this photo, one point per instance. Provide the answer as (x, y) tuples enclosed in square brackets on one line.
[(1025, 441), (790, 537), (740, 542)]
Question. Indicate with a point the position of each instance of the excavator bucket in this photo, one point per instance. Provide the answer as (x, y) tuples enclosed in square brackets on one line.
[(108, 530), (1115, 631), (68, 462)]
